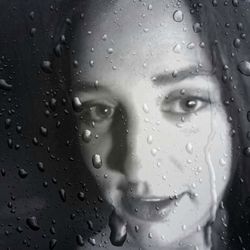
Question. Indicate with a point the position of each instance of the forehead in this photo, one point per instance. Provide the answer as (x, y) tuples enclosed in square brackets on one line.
[(136, 36)]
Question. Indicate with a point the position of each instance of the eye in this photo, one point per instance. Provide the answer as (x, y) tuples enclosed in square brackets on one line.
[(99, 112), (184, 105)]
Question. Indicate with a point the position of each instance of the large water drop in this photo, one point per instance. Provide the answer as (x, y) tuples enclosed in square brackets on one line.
[(244, 68), (97, 161), (178, 16), (118, 229)]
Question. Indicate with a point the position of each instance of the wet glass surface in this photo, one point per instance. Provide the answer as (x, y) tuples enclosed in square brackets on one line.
[(124, 124)]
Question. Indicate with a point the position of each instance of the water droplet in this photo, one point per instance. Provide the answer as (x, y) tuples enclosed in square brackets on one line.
[(244, 68), (7, 123), (62, 194), (118, 229), (104, 37), (58, 50), (32, 223), (46, 66), (215, 3), (92, 241), (145, 108), (150, 235), (81, 196), (246, 151), (77, 104), (110, 51), (79, 240), (150, 7), (137, 228), (184, 227), (52, 244), (91, 63), (40, 166), (191, 46), (197, 27), (4, 85), (32, 32), (32, 15), (86, 135), (178, 16), (97, 161), (237, 43), (235, 3), (189, 148), (22, 173), (43, 131), (154, 151), (149, 139), (177, 48), (222, 162)]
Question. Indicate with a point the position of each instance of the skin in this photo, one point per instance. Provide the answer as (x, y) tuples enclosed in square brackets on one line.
[(145, 133)]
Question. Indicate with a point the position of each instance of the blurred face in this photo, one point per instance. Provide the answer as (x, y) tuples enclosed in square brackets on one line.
[(153, 130)]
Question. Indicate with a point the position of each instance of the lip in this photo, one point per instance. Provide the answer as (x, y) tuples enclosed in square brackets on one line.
[(151, 209)]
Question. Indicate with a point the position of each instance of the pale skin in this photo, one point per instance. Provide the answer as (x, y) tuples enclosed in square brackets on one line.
[(172, 136)]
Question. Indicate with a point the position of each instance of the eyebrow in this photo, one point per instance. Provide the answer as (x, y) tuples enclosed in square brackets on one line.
[(160, 79), (88, 86), (168, 77)]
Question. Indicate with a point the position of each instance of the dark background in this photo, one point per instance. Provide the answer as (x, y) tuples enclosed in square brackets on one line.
[(35, 100)]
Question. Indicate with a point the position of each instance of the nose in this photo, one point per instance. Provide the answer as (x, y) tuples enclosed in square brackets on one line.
[(130, 154)]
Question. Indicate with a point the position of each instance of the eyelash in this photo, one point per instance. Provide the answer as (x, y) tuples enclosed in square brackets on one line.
[(179, 105), (97, 112), (100, 113)]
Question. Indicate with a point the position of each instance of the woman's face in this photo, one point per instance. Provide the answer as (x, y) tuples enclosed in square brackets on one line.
[(153, 129)]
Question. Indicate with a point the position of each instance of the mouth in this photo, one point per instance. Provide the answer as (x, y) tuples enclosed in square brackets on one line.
[(150, 209)]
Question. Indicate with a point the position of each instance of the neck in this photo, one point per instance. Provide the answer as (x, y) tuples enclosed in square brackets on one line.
[(198, 241)]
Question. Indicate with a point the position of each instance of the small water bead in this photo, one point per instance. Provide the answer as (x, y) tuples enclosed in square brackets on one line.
[(177, 48), (32, 223), (189, 148), (154, 151), (110, 51), (145, 108), (77, 104), (191, 45), (178, 16), (22, 173), (149, 139), (150, 235), (137, 228), (150, 7), (80, 240), (52, 244), (104, 37), (4, 85), (91, 63), (97, 161), (244, 68), (86, 135), (222, 162), (62, 194), (197, 27), (236, 43), (46, 66)]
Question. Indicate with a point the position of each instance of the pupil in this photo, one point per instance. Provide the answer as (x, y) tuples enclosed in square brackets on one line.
[(103, 111), (191, 104)]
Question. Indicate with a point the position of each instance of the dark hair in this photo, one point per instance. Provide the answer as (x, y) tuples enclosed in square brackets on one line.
[(222, 26)]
